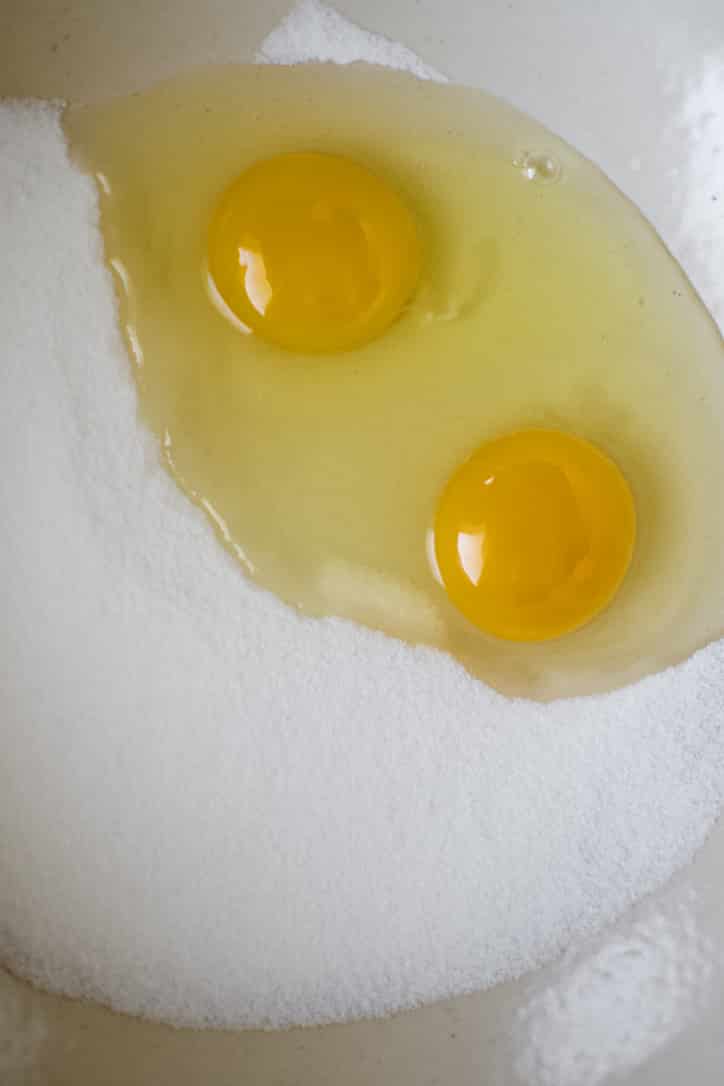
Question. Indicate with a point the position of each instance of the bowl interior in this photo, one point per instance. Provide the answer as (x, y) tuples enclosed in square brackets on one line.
[(637, 87)]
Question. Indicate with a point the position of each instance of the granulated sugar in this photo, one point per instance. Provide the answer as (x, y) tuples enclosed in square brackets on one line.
[(215, 812), (313, 31)]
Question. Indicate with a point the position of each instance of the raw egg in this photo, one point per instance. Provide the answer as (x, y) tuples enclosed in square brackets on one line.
[(534, 534), (313, 252), (421, 365)]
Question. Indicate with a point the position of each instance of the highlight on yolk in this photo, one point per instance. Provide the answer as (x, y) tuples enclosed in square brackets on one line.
[(313, 252), (534, 534)]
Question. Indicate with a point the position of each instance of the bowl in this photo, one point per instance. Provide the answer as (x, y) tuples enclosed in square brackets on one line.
[(638, 87)]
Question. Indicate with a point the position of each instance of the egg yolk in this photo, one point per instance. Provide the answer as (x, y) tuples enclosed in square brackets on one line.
[(313, 252), (534, 534)]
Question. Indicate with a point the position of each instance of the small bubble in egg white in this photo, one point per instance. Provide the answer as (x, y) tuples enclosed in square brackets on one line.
[(538, 166)]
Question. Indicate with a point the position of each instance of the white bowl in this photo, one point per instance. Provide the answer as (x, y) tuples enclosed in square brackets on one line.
[(638, 86)]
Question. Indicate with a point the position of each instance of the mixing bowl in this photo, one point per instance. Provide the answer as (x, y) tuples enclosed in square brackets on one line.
[(638, 86)]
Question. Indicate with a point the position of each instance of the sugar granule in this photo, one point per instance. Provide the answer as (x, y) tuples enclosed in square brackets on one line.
[(216, 812)]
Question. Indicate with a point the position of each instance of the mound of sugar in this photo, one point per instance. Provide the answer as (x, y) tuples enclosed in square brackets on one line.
[(215, 812), (312, 31)]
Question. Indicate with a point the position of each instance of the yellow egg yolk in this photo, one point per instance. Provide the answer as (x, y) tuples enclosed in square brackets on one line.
[(534, 534), (313, 252)]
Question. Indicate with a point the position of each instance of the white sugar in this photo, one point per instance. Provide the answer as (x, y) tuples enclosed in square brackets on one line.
[(216, 812), (314, 32)]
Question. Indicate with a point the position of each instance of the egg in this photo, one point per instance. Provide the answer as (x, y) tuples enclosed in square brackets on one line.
[(534, 535), (313, 252), (421, 365)]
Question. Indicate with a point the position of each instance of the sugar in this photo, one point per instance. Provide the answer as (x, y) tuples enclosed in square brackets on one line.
[(606, 1009), (315, 32), (215, 812)]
